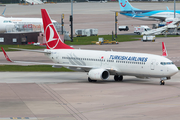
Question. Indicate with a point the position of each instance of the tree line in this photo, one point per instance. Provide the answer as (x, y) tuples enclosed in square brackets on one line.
[(23, 1), (9, 1)]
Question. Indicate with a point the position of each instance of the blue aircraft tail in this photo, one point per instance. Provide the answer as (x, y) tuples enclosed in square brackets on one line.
[(3, 12), (126, 6)]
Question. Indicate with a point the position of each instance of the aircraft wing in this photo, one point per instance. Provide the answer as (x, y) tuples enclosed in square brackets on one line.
[(158, 17), (85, 68), (78, 67), (38, 63), (40, 51)]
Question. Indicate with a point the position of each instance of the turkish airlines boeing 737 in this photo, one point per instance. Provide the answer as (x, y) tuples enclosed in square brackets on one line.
[(101, 64)]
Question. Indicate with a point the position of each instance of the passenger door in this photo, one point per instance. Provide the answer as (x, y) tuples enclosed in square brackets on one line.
[(153, 63)]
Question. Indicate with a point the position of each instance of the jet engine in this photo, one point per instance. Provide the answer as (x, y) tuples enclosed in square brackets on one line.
[(98, 74)]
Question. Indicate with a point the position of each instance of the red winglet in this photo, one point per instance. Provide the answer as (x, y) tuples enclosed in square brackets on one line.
[(6, 56), (53, 40), (164, 51)]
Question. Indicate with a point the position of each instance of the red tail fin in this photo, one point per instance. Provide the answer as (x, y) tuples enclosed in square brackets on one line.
[(53, 40), (164, 52)]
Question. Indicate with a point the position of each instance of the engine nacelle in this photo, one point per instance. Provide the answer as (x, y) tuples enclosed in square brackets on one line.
[(98, 74)]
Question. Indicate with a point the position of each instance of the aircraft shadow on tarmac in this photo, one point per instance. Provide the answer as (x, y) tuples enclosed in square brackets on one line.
[(125, 81)]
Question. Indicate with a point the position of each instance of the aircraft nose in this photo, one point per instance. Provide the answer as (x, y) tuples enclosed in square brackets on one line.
[(174, 70)]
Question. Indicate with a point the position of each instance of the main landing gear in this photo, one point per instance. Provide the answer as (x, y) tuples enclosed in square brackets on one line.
[(118, 77), (89, 79), (162, 82)]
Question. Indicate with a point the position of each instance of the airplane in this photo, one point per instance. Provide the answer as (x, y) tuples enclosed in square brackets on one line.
[(150, 15), (6, 25), (101, 64), (9, 23), (18, 24), (26, 22)]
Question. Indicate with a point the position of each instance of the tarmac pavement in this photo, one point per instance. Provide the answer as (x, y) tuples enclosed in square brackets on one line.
[(69, 96)]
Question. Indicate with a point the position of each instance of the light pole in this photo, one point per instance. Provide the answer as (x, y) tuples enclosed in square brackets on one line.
[(62, 23), (116, 14), (174, 8), (71, 20)]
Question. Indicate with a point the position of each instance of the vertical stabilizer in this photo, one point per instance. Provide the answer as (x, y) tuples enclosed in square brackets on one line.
[(164, 51), (53, 40), (3, 12), (126, 6)]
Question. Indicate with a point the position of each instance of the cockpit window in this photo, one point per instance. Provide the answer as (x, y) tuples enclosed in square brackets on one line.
[(167, 63), (7, 21)]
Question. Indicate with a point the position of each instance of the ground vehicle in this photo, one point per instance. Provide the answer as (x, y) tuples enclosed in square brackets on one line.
[(123, 28), (148, 38), (138, 30), (142, 28)]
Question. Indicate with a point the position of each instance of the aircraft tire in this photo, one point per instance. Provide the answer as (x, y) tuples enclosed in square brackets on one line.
[(162, 82), (118, 77)]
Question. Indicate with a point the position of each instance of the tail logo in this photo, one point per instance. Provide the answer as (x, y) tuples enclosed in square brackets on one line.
[(51, 40), (123, 5)]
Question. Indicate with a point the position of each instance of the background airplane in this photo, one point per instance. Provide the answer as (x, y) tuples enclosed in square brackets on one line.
[(16, 22), (150, 15), (101, 64), (6, 25), (13, 23)]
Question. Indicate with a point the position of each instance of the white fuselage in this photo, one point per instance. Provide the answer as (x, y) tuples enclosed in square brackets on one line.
[(5, 25), (28, 22), (124, 63)]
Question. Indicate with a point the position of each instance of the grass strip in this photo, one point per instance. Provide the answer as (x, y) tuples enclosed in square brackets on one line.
[(32, 68), (89, 39), (84, 41)]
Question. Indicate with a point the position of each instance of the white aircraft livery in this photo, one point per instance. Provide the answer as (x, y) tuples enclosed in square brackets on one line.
[(10, 23), (5, 25), (101, 64)]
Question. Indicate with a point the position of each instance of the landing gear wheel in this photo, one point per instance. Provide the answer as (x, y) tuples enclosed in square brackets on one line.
[(89, 79), (162, 82), (118, 77)]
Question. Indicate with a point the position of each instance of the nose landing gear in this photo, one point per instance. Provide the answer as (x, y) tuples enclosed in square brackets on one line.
[(162, 82)]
